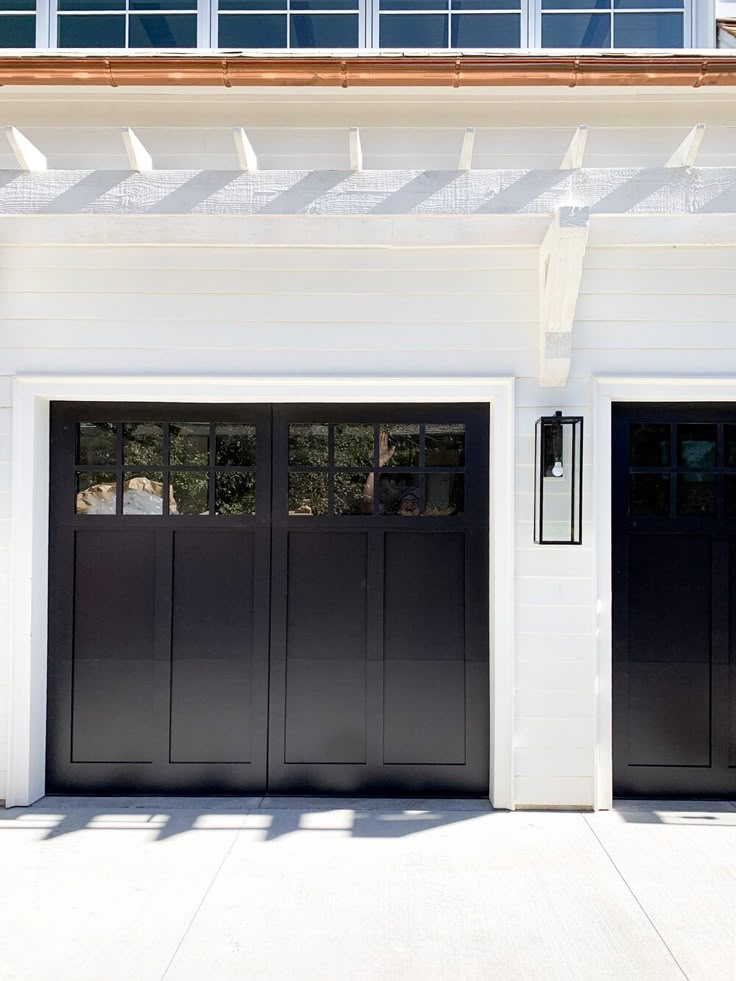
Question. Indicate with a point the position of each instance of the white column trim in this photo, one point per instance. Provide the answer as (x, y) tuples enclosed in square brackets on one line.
[(606, 391), (29, 529)]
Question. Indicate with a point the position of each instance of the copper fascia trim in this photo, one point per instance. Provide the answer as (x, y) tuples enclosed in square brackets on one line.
[(242, 69)]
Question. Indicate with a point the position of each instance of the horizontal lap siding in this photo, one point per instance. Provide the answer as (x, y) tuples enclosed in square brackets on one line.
[(398, 312)]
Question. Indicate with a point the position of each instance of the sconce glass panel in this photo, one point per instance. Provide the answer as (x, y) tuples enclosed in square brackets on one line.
[(558, 480)]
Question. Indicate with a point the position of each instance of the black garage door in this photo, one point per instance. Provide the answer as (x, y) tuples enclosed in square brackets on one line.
[(674, 600), (290, 599)]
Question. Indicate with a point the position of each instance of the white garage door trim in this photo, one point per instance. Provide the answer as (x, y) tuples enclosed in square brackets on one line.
[(29, 529)]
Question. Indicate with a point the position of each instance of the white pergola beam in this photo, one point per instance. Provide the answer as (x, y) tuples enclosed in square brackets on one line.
[(28, 156), (687, 152), (247, 158), (573, 159), (356, 149), (466, 153), (138, 157), (560, 270)]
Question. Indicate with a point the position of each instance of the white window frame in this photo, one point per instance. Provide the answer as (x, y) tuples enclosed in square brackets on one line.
[(535, 24)]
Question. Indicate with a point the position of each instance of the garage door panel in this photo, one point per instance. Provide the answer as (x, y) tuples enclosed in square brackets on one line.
[(670, 598), (212, 647), (326, 588), (424, 712), (669, 714), (424, 589), (325, 711), (113, 711), (114, 594)]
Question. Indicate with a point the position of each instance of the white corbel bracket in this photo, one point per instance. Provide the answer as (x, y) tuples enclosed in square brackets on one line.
[(560, 270)]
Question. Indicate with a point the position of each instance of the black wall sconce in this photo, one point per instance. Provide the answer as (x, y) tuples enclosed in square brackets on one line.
[(558, 480)]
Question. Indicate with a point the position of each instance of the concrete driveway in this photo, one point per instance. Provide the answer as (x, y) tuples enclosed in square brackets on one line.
[(315, 890)]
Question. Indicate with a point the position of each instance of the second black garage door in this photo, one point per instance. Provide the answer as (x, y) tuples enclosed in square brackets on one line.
[(251, 598)]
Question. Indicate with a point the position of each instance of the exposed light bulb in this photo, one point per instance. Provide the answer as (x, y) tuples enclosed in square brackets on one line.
[(557, 469)]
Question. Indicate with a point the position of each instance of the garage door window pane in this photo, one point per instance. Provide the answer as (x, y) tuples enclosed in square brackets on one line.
[(353, 493), (401, 494), (696, 494), (729, 433), (399, 445), (96, 442), (143, 443), (235, 446), (235, 493), (649, 444), (189, 492), (307, 494), (308, 445), (96, 492), (445, 495), (143, 493), (696, 446), (354, 445), (445, 445), (649, 494), (189, 444)]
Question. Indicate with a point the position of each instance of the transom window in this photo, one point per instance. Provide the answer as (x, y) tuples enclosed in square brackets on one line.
[(406, 469), (158, 468), (682, 470), (309, 24)]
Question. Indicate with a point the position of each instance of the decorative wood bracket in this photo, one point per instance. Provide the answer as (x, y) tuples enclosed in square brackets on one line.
[(28, 156), (138, 157), (560, 271), (247, 159)]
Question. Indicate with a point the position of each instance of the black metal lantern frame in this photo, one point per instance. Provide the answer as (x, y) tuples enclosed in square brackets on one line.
[(558, 480)]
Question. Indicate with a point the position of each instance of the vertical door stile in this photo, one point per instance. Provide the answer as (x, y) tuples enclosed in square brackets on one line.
[(163, 626)]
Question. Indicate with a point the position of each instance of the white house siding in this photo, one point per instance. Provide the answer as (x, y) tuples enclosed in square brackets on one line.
[(371, 311)]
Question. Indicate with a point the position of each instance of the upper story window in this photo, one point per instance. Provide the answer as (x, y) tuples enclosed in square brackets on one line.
[(305, 24), (613, 23)]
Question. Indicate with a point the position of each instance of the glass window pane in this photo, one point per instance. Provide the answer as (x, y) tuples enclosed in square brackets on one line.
[(260, 5), (189, 444), (324, 5), (96, 492), (399, 445), (189, 492), (163, 31), (324, 31), (413, 31), (96, 442), (505, 5), (18, 32), (353, 493), (649, 494), (235, 445), (445, 494), (648, 4), (576, 4), (143, 493), (308, 445), (162, 4), (486, 31), (576, 31), (84, 6), (400, 494), (252, 31), (696, 446), (143, 443), (729, 433), (649, 444), (412, 5), (696, 494), (17, 5), (78, 31), (354, 445), (235, 493), (307, 493), (444, 445), (648, 30)]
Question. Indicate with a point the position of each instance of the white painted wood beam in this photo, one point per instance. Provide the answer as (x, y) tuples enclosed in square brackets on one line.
[(356, 149), (247, 158), (687, 152), (466, 154), (28, 156), (138, 157), (561, 259), (573, 159)]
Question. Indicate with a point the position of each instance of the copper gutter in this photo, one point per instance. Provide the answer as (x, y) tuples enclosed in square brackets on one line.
[(234, 69)]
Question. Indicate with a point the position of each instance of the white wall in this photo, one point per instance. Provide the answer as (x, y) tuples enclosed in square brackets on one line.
[(645, 310)]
